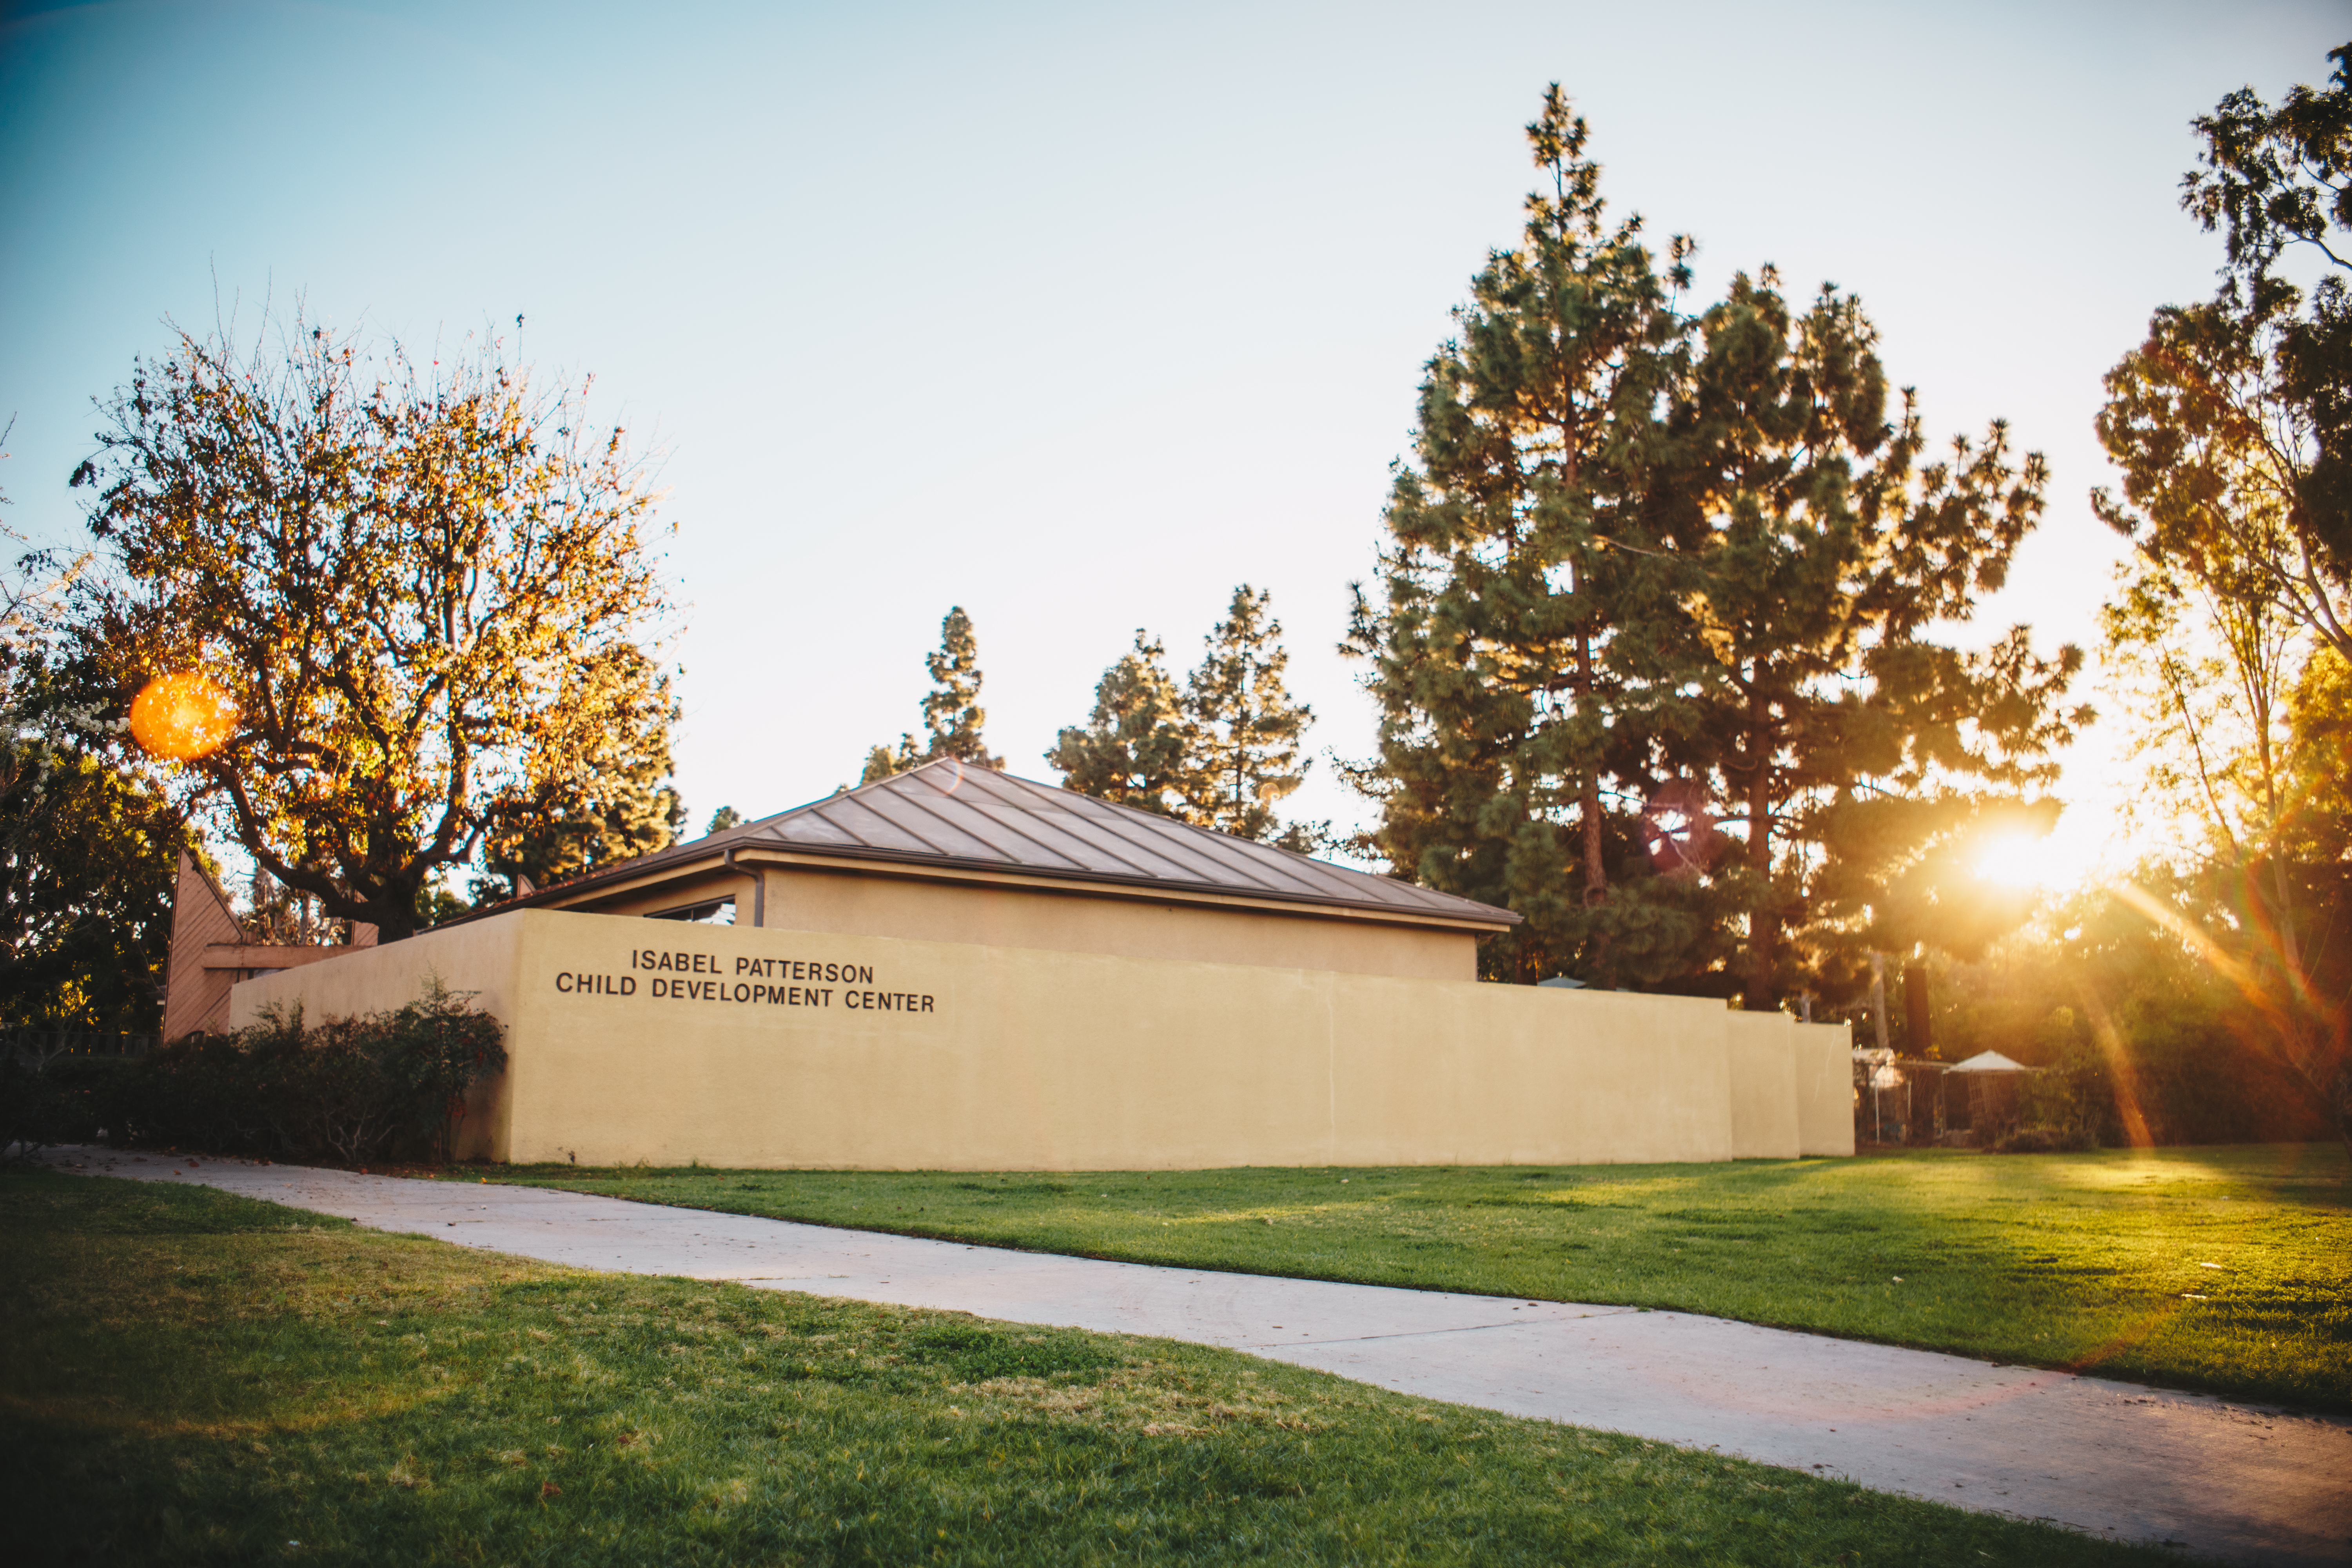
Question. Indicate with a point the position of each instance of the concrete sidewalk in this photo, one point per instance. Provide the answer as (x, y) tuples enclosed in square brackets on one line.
[(2230, 1480)]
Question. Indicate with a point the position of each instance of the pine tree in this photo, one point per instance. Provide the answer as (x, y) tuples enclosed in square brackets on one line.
[(1809, 561), (1490, 644), (1245, 728), (1137, 747), (881, 762), (952, 713)]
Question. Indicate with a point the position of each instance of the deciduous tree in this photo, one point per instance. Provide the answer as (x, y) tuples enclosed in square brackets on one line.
[(87, 850), (2277, 182), (597, 809), (417, 583), (2232, 424)]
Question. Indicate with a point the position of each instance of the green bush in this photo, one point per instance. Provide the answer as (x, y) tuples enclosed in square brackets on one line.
[(77, 1091), (377, 1087), (60, 1100)]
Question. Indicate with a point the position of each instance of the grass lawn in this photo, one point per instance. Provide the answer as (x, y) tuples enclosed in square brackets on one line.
[(2221, 1269), (191, 1377)]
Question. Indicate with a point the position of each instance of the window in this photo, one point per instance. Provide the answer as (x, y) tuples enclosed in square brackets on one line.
[(718, 912)]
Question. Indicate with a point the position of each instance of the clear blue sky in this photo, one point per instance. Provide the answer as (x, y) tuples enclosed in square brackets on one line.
[(1074, 315)]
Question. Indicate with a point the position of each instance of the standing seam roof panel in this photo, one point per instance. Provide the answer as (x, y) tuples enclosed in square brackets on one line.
[(1080, 849), (1172, 839), (990, 818), (968, 810), (1107, 838), (871, 828), (1099, 826), (974, 826), (1229, 857)]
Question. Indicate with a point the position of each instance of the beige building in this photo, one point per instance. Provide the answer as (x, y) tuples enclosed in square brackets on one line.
[(956, 968)]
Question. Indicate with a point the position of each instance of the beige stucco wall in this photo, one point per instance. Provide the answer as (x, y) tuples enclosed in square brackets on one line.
[(1764, 1121), (1823, 1058), (1035, 1059), (877, 904), (482, 959)]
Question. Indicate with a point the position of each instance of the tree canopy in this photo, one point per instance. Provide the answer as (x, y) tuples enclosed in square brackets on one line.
[(2232, 425), (1805, 565), (88, 851), (1488, 642), (1138, 746), (953, 716), (2277, 180), (1245, 726), (613, 807), (1644, 562), (428, 591), (1220, 750)]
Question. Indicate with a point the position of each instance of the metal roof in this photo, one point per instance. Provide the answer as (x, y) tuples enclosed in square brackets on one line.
[(951, 815)]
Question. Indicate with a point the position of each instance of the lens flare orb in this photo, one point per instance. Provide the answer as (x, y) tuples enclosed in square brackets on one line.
[(182, 716)]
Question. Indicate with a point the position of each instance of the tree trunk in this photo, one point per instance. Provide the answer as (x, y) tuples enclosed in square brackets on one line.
[(1596, 875), (1763, 994), (1916, 1023)]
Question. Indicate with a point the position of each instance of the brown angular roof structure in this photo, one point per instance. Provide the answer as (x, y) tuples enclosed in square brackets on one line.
[(954, 817)]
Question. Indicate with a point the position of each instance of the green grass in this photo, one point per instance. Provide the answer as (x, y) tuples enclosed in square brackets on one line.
[(191, 1377), (2093, 1262)]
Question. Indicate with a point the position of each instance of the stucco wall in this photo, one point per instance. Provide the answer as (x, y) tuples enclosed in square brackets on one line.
[(1824, 1057), (1004, 1057), (482, 958), (872, 903), (1764, 1122)]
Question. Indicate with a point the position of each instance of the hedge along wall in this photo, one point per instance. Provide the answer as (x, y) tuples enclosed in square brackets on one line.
[(633, 1039)]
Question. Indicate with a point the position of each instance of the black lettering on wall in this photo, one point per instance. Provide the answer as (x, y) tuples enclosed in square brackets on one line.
[(669, 983)]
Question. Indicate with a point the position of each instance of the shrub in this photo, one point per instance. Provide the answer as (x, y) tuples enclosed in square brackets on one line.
[(57, 1099), (351, 1088)]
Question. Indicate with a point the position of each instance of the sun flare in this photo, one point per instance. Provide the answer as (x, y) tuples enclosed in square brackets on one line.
[(181, 717), (2014, 860), (2069, 856)]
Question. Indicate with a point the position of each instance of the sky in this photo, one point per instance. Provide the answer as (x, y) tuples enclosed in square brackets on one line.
[(1077, 316)]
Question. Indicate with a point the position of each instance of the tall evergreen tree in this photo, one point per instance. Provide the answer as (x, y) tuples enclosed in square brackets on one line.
[(953, 715), (1137, 747), (1811, 558), (1245, 727), (1490, 641), (952, 712)]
